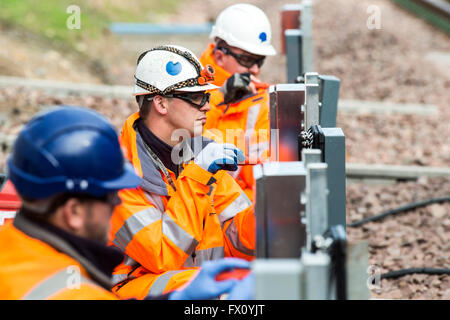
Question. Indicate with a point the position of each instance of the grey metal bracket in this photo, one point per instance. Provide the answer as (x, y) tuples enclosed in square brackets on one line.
[(311, 108), (328, 97), (335, 159), (294, 60)]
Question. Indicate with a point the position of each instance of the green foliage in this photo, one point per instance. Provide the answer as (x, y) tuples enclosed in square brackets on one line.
[(48, 18)]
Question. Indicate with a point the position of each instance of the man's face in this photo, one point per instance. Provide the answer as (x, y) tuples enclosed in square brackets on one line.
[(184, 115), (98, 216), (231, 63)]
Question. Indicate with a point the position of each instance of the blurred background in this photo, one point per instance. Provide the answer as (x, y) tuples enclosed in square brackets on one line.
[(404, 63)]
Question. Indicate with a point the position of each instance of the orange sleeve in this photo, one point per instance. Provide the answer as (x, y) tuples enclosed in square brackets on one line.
[(236, 215), (259, 141)]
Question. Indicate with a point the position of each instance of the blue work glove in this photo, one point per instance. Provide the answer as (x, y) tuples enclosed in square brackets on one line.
[(215, 157), (204, 286), (243, 289)]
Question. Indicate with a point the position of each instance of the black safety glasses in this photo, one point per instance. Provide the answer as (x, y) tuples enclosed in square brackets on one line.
[(243, 59), (111, 198), (197, 99)]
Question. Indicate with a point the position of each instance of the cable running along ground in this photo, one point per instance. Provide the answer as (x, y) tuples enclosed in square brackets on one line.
[(407, 207)]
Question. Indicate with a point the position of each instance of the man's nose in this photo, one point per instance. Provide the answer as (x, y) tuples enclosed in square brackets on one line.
[(206, 107), (254, 70)]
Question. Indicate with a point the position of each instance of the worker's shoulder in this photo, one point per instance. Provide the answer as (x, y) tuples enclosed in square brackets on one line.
[(22, 248), (27, 263)]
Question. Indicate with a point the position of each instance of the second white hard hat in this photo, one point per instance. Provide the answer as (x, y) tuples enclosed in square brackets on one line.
[(170, 68), (245, 26)]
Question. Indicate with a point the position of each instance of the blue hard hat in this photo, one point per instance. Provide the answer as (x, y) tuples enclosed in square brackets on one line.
[(69, 149)]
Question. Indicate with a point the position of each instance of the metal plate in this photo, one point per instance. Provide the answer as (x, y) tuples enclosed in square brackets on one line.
[(287, 116), (280, 232)]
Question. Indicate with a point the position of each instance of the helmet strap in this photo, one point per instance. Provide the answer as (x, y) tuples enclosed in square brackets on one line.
[(140, 100)]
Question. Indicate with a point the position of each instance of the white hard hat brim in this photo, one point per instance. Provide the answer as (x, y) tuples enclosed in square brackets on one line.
[(138, 91), (261, 51), (266, 50), (209, 86)]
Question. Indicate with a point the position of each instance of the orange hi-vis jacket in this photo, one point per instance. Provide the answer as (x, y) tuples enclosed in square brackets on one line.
[(244, 123), (167, 234), (36, 265)]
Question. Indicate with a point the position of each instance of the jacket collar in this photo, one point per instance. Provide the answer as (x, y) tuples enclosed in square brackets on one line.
[(133, 141), (162, 150), (152, 181), (221, 75)]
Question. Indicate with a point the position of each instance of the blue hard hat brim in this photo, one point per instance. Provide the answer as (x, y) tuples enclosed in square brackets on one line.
[(129, 179), (39, 188)]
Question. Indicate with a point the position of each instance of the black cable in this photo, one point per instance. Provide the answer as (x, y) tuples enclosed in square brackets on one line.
[(400, 273), (337, 253), (2, 180), (404, 272), (398, 210)]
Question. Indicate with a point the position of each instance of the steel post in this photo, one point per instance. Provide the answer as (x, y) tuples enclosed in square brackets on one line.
[(357, 263), (315, 277), (311, 156), (316, 202), (280, 232), (294, 60), (290, 19), (277, 279), (328, 97), (335, 158), (312, 113), (307, 41)]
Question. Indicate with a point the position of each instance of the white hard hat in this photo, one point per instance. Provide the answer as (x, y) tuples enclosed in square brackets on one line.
[(246, 27), (168, 68)]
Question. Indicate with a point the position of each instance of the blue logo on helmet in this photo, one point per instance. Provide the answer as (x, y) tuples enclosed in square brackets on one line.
[(173, 68), (263, 36)]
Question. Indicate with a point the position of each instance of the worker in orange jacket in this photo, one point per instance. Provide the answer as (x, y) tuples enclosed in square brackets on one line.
[(188, 209), (67, 167), (240, 108)]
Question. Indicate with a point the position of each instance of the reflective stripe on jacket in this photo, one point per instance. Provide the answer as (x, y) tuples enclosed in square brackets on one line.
[(167, 234), (31, 269), (244, 123)]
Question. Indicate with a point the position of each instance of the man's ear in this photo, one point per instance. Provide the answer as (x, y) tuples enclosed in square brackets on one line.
[(73, 215), (219, 57), (160, 104)]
